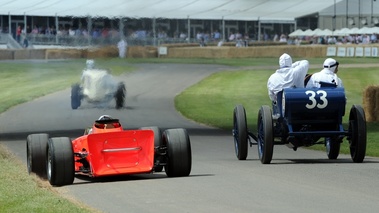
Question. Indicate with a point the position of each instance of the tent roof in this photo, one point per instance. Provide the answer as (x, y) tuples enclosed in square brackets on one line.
[(280, 10), (352, 8)]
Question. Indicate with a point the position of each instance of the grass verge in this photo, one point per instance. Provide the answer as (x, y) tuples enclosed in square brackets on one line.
[(21, 192)]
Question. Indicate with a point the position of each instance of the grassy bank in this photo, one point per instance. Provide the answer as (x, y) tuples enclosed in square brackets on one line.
[(21, 192)]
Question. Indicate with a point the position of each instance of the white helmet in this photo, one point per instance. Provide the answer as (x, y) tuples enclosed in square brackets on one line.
[(90, 64), (330, 64), (105, 117)]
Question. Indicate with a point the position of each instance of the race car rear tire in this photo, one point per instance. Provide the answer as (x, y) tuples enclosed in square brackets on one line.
[(75, 96), (157, 143), (120, 95), (358, 133), (36, 146), (332, 148), (179, 156), (265, 135), (60, 162), (240, 132)]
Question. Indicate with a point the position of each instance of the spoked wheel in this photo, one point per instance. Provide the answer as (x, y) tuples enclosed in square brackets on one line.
[(179, 157), (332, 148), (36, 146), (75, 96), (265, 135), (120, 95), (60, 162), (358, 134), (240, 132), (157, 144)]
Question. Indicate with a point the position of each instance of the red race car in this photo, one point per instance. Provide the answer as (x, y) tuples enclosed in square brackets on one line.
[(107, 149)]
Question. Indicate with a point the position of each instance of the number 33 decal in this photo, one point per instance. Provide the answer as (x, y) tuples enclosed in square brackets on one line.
[(323, 101)]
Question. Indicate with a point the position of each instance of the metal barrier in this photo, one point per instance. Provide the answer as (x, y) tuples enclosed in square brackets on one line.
[(79, 41), (8, 41)]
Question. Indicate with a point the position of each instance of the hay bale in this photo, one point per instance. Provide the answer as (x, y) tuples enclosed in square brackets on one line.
[(142, 52), (371, 103), (6, 55), (21, 54), (63, 53), (308, 51), (37, 53), (103, 52), (151, 52)]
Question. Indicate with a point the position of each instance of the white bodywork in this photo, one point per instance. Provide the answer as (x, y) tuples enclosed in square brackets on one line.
[(98, 85)]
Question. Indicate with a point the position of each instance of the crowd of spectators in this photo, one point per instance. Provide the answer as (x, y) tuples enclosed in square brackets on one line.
[(348, 39), (203, 37)]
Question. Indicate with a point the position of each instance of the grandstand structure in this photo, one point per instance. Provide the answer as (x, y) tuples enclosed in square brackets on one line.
[(153, 22)]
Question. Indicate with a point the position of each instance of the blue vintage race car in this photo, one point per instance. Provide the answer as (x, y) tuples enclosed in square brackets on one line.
[(303, 117)]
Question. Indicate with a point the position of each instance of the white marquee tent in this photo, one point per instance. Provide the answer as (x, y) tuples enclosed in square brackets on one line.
[(251, 10), (339, 32)]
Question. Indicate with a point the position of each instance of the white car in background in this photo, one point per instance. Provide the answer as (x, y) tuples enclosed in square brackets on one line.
[(98, 87)]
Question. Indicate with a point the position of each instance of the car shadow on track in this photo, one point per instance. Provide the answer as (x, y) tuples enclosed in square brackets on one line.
[(318, 161), (82, 179)]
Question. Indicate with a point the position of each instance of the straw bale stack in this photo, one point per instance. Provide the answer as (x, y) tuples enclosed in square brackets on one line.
[(307, 51), (142, 52), (6, 54), (371, 103), (104, 52), (64, 53)]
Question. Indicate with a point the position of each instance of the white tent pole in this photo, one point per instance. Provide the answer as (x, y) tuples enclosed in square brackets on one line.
[(56, 28), (259, 29), (9, 24), (89, 28), (245, 27), (177, 27), (121, 28), (25, 23), (154, 31), (189, 29), (211, 26), (223, 29)]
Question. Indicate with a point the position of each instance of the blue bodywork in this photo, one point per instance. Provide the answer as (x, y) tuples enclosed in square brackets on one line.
[(306, 114)]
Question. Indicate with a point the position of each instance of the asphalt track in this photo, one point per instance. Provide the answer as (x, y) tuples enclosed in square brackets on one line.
[(301, 181)]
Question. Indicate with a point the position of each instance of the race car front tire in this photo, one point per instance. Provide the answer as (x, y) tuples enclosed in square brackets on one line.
[(358, 133), (120, 95), (60, 162), (265, 135), (36, 146), (332, 148), (75, 96), (179, 155), (240, 132)]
